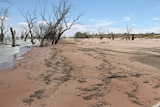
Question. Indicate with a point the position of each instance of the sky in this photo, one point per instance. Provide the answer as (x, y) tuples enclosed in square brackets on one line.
[(143, 16)]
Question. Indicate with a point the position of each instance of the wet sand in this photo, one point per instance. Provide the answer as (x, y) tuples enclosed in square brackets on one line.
[(149, 59), (85, 73)]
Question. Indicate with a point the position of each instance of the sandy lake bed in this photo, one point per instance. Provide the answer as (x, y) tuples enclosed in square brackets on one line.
[(85, 73)]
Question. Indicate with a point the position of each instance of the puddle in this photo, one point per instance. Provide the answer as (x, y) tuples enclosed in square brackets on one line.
[(152, 60), (14, 57)]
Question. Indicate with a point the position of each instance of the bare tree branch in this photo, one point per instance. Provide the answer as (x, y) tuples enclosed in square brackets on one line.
[(129, 30), (30, 17), (59, 23)]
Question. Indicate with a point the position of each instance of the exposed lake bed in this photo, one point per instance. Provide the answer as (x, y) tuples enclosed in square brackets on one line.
[(92, 72)]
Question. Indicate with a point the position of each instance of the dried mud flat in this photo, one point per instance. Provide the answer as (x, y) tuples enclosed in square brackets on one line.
[(85, 73)]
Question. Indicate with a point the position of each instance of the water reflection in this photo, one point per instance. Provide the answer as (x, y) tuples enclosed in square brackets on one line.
[(6, 51), (12, 58), (6, 65)]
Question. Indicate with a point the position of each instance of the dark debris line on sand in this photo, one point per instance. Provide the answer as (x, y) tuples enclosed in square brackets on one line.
[(56, 65), (108, 74)]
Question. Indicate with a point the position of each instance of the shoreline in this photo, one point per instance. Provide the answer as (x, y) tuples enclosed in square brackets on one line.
[(94, 73), (16, 83)]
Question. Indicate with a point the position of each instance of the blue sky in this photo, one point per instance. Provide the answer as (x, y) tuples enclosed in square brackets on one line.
[(108, 15)]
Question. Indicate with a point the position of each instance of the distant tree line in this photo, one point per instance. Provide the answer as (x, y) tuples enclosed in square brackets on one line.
[(112, 36), (128, 35), (82, 35)]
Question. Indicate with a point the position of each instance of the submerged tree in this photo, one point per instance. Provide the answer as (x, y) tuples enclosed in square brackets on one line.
[(13, 32), (3, 17)]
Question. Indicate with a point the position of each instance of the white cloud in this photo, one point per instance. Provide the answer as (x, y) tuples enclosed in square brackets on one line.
[(117, 30), (125, 19), (104, 23), (7, 18), (93, 30), (147, 30), (92, 20), (100, 23), (133, 24), (42, 22), (154, 29), (88, 28), (136, 31), (157, 18), (77, 28), (22, 24), (131, 14), (3, 17)]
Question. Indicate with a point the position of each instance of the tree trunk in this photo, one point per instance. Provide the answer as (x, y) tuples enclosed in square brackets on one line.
[(1, 37), (31, 37), (57, 39), (41, 43), (13, 37), (25, 37), (112, 36), (133, 37), (128, 36)]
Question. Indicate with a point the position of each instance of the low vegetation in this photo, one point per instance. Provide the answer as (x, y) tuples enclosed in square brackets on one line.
[(122, 36)]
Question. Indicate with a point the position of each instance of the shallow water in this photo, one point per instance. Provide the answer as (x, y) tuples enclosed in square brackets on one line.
[(13, 57), (9, 54), (6, 51)]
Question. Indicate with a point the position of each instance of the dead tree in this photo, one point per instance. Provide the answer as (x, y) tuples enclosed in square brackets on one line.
[(30, 17), (111, 34), (3, 16), (13, 37), (23, 33), (100, 32), (129, 30), (54, 30), (133, 37), (65, 27)]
